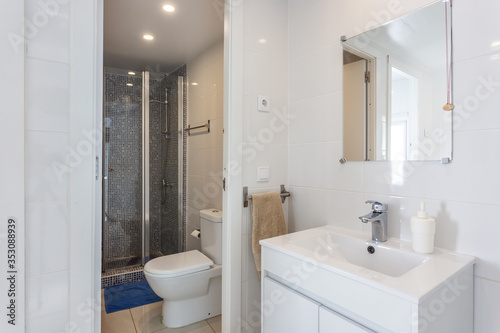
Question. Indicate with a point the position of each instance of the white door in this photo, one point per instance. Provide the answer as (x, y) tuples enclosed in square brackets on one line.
[(332, 322), (286, 311)]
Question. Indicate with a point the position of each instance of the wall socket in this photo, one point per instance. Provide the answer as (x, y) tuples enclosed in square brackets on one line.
[(264, 104)]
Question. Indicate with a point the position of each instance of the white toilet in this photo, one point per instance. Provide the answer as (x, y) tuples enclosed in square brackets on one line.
[(190, 283)]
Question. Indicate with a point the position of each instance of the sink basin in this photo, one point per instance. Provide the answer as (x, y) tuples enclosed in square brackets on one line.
[(393, 266), (368, 254)]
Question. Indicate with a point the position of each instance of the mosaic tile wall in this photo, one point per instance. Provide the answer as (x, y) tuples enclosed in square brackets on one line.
[(123, 152), (172, 234)]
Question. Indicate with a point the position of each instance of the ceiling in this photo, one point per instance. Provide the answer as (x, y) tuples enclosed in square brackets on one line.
[(178, 37)]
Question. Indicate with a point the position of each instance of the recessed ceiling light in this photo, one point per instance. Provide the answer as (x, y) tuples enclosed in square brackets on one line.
[(168, 8), (148, 37), (495, 44), (130, 84), (262, 41), (194, 83), (131, 73)]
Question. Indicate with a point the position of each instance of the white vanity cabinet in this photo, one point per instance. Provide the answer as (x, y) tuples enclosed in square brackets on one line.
[(319, 291), (287, 311)]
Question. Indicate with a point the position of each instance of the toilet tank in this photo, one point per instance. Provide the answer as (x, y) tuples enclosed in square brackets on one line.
[(211, 234)]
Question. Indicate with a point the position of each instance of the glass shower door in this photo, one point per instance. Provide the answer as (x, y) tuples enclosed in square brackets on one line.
[(144, 145), (122, 186), (167, 165)]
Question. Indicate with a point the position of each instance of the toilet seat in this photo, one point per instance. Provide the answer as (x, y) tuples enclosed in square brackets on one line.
[(178, 264)]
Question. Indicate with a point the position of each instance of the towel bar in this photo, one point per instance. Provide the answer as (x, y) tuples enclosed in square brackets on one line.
[(283, 193), (189, 128)]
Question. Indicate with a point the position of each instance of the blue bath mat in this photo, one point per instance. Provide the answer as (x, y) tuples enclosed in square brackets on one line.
[(129, 295)]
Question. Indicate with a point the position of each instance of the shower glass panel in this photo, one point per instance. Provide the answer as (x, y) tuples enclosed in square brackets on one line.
[(143, 199), (167, 151), (122, 186)]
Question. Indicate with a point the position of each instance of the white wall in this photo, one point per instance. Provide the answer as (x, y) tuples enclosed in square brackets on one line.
[(12, 138), (204, 150), (62, 85), (265, 134), (463, 195), (47, 182)]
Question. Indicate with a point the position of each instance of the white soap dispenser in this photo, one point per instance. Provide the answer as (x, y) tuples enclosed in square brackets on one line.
[(423, 229)]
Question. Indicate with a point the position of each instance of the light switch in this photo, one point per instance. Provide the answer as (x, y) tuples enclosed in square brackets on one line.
[(263, 173), (264, 104)]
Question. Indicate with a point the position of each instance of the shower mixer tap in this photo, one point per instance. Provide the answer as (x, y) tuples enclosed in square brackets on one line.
[(165, 186)]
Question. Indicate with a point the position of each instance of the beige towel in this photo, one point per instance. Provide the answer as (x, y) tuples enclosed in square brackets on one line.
[(268, 221)]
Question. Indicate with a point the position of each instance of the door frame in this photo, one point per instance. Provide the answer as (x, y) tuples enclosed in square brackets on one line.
[(232, 159), (232, 165)]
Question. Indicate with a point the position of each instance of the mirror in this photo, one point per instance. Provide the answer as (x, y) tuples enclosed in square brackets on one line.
[(397, 78)]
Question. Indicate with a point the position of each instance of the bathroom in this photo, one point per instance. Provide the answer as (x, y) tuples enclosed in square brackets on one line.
[(288, 51), (162, 149)]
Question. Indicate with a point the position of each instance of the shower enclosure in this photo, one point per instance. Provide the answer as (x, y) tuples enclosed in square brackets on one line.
[(144, 164)]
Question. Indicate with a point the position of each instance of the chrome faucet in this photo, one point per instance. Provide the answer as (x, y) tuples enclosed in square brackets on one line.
[(378, 218)]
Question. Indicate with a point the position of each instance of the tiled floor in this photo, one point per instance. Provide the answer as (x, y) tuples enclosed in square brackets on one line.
[(146, 319)]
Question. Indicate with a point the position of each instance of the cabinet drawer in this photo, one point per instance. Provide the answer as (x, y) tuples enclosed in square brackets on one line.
[(286, 311), (332, 322)]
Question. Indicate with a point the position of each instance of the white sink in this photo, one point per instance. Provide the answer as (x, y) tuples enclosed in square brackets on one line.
[(393, 267), (379, 257)]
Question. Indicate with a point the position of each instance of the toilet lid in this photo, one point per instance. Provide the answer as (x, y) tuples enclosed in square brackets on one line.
[(179, 264)]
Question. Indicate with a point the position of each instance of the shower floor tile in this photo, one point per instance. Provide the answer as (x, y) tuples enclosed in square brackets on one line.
[(146, 319)]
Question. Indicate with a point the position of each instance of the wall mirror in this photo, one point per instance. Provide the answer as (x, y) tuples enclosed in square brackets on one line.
[(397, 78)]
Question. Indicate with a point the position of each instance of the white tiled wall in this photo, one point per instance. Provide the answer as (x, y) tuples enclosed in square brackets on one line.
[(12, 179), (265, 134), (204, 150), (463, 195), (47, 185)]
